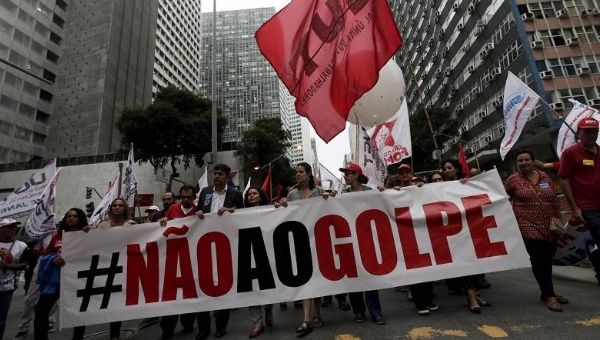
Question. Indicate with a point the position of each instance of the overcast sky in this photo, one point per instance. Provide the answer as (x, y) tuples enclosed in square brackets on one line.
[(330, 155)]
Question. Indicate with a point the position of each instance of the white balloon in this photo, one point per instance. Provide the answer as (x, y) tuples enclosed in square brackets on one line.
[(382, 101)]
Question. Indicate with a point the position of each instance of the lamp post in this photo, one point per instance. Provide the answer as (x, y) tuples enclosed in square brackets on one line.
[(464, 141)]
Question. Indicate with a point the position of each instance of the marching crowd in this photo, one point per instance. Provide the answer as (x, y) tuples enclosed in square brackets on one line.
[(530, 191)]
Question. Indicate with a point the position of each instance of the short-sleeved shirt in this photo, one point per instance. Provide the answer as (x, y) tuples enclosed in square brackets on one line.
[(534, 204), (177, 211), (8, 279), (582, 167), (294, 194)]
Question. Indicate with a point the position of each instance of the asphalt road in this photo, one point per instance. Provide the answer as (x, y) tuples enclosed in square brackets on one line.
[(516, 313)]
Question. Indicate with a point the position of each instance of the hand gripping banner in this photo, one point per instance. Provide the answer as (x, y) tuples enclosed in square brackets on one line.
[(314, 247)]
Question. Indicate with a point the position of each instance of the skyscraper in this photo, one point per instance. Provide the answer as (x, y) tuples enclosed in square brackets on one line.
[(247, 86), (178, 45), (299, 128), (31, 38), (458, 53), (108, 53)]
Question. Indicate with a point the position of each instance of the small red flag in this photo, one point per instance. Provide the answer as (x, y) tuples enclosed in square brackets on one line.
[(328, 53), (266, 186), (462, 158)]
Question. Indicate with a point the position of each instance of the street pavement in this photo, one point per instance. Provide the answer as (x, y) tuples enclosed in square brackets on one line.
[(516, 313)]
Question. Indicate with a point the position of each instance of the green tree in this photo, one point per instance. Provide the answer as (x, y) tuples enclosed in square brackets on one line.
[(266, 142), (422, 141), (175, 129)]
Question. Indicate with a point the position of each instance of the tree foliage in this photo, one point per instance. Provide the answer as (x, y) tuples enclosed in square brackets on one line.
[(263, 143), (422, 141), (174, 129)]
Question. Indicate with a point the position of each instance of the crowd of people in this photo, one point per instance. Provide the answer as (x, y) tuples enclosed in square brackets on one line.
[(530, 191)]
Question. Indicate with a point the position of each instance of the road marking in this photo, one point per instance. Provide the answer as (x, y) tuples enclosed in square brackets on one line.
[(595, 321), (523, 328), (346, 337), (430, 333), (493, 331)]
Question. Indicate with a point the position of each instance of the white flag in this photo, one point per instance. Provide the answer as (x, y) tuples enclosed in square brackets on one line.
[(129, 186), (42, 222), (328, 179), (202, 183), (519, 101), (368, 159), (25, 198), (566, 136), (392, 138), (247, 187), (103, 207)]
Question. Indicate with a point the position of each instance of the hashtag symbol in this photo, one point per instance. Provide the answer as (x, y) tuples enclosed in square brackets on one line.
[(105, 290)]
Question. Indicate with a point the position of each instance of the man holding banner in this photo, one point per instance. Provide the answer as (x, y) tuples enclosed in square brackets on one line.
[(580, 177)]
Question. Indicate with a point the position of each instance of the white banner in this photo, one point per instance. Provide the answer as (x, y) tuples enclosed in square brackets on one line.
[(368, 159), (314, 247), (519, 101), (26, 197), (328, 180), (42, 222), (129, 187), (574, 245), (566, 135), (393, 137), (103, 207)]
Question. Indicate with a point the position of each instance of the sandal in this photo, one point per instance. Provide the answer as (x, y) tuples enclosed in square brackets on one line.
[(317, 322), (304, 328)]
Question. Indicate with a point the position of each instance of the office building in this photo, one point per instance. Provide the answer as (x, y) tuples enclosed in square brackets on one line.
[(178, 45), (247, 85), (299, 127), (32, 35), (457, 55)]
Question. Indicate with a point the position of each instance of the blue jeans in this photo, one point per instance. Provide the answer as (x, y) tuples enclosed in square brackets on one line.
[(357, 301), (592, 222), (5, 298)]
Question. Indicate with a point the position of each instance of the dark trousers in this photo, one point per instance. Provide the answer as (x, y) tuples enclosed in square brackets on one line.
[(422, 294), (541, 253), (221, 321), (357, 301), (169, 322), (5, 298), (42, 312), (592, 222)]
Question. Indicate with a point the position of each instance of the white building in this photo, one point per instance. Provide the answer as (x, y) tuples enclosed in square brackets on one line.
[(299, 128), (178, 45)]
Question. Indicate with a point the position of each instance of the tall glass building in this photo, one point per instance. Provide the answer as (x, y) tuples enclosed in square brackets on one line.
[(247, 86)]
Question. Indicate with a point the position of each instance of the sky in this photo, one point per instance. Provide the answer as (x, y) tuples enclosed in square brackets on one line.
[(331, 155)]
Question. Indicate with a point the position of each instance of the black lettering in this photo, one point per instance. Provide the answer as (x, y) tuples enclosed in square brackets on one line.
[(283, 257), (251, 243)]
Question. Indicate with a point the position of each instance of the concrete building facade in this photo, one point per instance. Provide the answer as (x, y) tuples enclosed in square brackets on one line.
[(32, 34), (178, 45), (109, 57), (247, 86), (301, 149), (457, 55)]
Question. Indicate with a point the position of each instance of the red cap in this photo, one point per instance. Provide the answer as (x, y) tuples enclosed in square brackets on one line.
[(352, 167), (404, 167), (587, 123)]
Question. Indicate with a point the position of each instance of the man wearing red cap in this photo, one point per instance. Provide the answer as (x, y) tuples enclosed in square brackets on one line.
[(580, 177)]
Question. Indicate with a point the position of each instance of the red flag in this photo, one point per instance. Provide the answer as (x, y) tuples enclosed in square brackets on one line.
[(462, 158), (278, 191), (328, 54), (266, 186)]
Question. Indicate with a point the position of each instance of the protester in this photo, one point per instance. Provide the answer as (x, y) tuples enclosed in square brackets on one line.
[(12, 260), (49, 276), (255, 197), (33, 294), (536, 207), (580, 178), (185, 208), (436, 176), (468, 284), (306, 188), (217, 199), (168, 200), (475, 171), (152, 214), (354, 177)]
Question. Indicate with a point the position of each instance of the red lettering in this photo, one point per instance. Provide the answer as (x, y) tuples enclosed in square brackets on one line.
[(141, 272), (328, 33), (178, 257), (478, 225), (357, 5), (408, 240), (438, 231), (325, 251), (385, 239), (205, 264)]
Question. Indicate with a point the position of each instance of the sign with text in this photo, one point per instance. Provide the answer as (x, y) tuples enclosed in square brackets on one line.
[(314, 247)]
